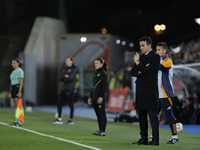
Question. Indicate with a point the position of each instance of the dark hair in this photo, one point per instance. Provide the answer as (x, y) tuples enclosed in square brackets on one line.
[(147, 39), (104, 63), (163, 45), (17, 60), (191, 99), (70, 57)]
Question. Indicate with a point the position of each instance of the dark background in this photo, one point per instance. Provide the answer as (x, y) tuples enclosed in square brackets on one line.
[(119, 17)]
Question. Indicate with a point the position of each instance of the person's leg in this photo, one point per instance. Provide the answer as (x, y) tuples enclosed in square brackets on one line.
[(143, 124), (103, 118), (70, 100), (15, 100), (157, 112), (168, 112), (95, 106), (60, 101), (154, 125)]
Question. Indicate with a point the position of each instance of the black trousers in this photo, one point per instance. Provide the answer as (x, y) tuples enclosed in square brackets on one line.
[(62, 98), (100, 113), (143, 120)]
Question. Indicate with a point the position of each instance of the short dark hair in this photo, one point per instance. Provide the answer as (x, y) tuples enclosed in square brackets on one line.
[(163, 45), (147, 39), (191, 99), (70, 57)]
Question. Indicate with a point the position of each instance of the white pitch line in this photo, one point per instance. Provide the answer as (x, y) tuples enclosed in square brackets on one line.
[(61, 139)]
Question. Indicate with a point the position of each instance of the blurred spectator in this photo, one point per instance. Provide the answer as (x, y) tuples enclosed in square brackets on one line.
[(126, 82), (177, 108), (195, 119), (188, 111), (189, 52), (114, 82), (192, 85)]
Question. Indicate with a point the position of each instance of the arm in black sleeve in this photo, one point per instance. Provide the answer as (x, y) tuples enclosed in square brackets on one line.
[(134, 71), (91, 94), (72, 76), (154, 64), (103, 83), (61, 76)]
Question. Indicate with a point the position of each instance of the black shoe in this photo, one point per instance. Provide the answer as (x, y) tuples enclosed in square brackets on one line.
[(13, 124), (96, 133), (172, 141), (70, 122), (154, 142), (141, 142), (19, 125), (102, 134), (57, 121)]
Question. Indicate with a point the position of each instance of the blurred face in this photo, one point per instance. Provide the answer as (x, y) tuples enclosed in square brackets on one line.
[(15, 65), (144, 47), (97, 64), (160, 51), (68, 62), (187, 102)]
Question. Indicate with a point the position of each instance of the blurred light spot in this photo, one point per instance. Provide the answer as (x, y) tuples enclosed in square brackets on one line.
[(83, 39), (118, 41), (197, 20), (103, 30), (157, 27), (131, 44), (139, 12), (162, 27), (123, 42)]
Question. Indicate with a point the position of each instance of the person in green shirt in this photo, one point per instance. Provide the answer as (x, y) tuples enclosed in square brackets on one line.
[(16, 77)]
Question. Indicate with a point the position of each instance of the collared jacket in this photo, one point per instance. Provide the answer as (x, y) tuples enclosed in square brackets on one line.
[(99, 83), (165, 75), (68, 84), (147, 81)]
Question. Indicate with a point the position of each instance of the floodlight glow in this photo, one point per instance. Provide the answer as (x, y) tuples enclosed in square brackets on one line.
[(123, 42), (197, 20), (157, 27), (162, 27), (131, 44), (118, 41), (83, 39)]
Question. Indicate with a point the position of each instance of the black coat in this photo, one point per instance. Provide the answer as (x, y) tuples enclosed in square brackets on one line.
[(147, 81), (99, 83), (68, 84)]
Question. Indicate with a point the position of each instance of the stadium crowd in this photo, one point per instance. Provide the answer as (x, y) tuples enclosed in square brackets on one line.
[(186, 52)]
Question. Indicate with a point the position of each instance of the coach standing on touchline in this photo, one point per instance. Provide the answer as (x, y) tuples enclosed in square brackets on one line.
[(146, 70)]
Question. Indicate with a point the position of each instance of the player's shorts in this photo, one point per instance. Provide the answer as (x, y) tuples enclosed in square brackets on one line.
[(15, 91)]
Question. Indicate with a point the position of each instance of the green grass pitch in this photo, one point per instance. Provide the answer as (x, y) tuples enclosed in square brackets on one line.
[(119, 136)]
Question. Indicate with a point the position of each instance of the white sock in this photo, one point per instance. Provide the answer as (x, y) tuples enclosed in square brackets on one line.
[(60, 119), (174, 136)]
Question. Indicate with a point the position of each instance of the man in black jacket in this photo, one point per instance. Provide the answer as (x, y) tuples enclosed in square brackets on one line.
[(146, 70), (67, 77)]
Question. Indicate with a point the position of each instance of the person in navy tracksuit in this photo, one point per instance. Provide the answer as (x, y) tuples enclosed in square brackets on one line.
[(165, 87), (98, 94)]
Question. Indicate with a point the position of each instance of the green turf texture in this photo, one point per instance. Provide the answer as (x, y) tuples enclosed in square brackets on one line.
[(119, 136)]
